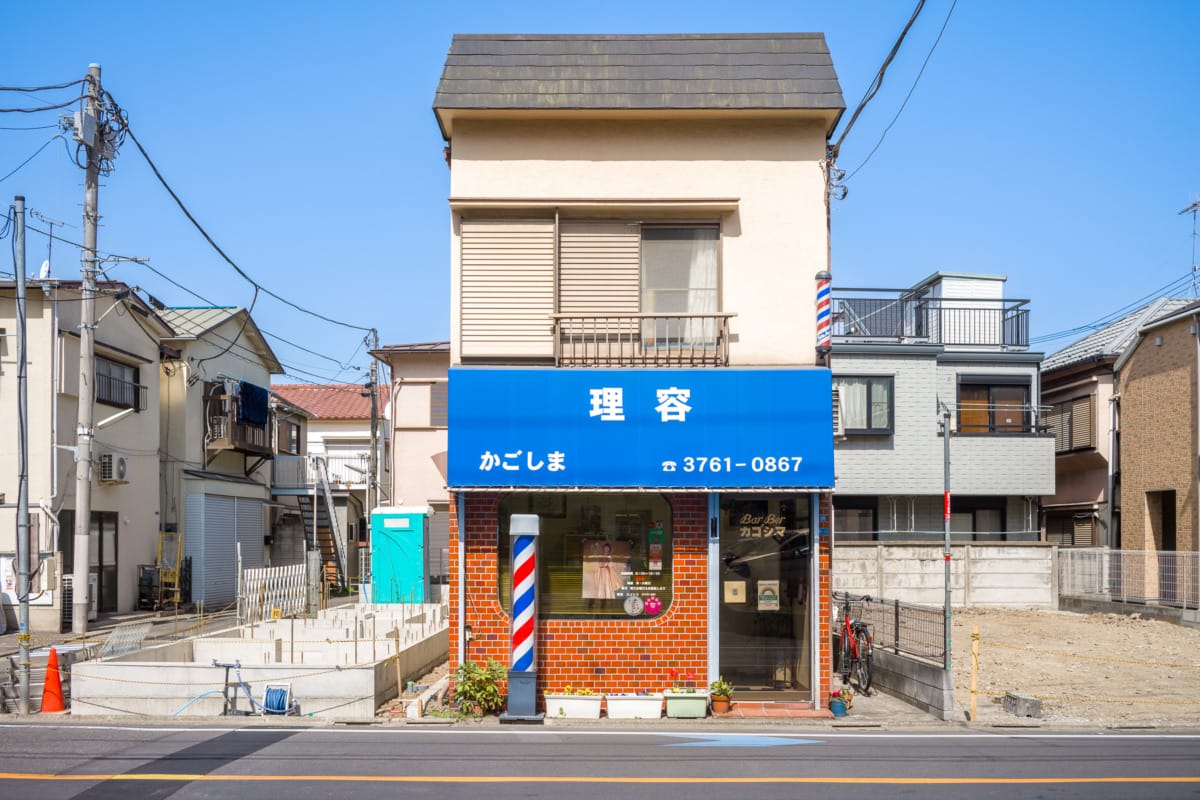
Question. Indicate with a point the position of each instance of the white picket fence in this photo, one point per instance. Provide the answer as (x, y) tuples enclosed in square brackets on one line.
[(269, 592)]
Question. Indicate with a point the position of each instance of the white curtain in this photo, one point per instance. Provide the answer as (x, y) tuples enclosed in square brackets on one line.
[(852, 392)]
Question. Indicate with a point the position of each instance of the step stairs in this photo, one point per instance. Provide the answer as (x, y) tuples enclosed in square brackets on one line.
[(331, 573)]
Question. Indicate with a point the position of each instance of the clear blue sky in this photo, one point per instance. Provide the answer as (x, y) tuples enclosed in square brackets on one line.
[(1052, 142)]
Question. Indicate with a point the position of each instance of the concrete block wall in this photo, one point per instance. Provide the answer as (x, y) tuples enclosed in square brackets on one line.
[(981, 575)]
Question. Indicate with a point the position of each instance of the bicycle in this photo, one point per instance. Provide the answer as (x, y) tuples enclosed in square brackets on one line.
[(856, 650)]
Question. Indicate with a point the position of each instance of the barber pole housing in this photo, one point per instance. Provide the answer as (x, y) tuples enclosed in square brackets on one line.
[(824, 313), (522, 674)]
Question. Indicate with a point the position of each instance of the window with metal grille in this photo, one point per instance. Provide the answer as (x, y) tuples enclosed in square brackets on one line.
[(117, 385)]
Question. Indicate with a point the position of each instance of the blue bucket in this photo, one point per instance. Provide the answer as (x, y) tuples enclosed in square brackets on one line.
[(838, 708)]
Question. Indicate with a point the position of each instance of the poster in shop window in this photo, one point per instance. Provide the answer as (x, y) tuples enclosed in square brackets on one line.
[(768, 595), (605, 568)]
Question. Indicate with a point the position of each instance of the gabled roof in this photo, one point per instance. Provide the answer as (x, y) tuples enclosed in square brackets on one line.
[(698, 71), (197, 322), (1113, 339), (331, 400)]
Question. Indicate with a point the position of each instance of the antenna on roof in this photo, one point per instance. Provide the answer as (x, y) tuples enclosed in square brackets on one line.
[(1192, 209)]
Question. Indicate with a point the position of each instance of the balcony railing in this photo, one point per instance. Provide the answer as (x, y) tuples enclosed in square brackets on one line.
[(120, 393), (641, 340), (898, 315), (296, 472), (226, 433)]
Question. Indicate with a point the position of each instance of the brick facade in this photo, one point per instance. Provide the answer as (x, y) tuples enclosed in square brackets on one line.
[(608, 655), (1157, 386)]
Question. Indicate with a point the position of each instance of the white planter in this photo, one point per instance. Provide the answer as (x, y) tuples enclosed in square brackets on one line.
[(634, 706), (573, 706), (686, 705)]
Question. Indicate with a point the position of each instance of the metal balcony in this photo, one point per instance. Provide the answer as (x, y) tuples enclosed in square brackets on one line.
[(900, 315), (641, 340)]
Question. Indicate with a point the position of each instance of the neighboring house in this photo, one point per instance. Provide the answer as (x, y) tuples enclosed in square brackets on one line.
[(216, 444), (417, 419), (901, 358), (1157, 385), (636, 226), (1080, 401), (291, 530), (125, 495), (339, 451)]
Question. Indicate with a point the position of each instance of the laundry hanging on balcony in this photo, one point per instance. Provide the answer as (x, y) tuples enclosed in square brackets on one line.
[(253, 409)]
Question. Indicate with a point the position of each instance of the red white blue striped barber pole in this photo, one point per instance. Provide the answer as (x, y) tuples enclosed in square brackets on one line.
[(824, 328), (524, 594)]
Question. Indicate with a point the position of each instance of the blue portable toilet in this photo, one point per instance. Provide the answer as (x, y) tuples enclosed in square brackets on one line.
[(400, 554)]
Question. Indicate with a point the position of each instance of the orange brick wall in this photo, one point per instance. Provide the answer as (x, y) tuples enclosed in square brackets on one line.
[(824, 553), (1158, 434), (607, 655)]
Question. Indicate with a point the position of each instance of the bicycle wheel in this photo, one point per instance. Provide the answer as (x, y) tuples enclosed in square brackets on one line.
[(862, 665), (844, 658)]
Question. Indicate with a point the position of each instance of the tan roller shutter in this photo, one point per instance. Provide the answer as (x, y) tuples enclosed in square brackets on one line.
[(1085, 532), (599, 268), (507, 288), (1081, 422)]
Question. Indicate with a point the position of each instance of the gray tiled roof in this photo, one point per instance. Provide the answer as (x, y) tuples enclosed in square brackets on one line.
[(1112, 339), (657, 71)]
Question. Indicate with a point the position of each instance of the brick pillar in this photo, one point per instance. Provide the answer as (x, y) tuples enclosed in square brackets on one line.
[(824, 555)]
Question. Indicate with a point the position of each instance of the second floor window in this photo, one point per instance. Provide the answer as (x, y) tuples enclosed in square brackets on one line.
[(117, 385), (866, 403), (679, 276), (289, 437), (993, 406)]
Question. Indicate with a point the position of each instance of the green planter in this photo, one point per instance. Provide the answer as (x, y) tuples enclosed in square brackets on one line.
[(686, 705)]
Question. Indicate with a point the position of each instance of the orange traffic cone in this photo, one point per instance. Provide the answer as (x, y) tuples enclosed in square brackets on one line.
[(52, 696)]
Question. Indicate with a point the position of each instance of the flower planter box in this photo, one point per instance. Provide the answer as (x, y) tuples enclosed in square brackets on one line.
[(634, 706), (573, 706), (686, 705)]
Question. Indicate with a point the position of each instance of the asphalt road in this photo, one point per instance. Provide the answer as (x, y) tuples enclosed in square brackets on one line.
[(100, 762)]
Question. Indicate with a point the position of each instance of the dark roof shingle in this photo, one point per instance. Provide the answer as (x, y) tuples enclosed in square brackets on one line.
[(779, 71)]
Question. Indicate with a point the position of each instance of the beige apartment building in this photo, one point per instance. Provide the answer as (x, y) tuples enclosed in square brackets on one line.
[(125, 492)]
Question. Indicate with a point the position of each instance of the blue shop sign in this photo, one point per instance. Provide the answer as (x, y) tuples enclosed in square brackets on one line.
[(652, 428)]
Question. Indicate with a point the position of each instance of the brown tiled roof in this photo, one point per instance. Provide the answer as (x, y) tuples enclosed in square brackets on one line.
[(330, 401)]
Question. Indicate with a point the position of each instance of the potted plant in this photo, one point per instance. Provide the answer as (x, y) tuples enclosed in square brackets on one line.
[(477, 687), (721, 694), (684, 698), (634, 705), (573, 703)]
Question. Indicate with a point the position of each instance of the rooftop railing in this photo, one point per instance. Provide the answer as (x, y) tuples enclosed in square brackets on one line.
[(899, 315), (641, 340)]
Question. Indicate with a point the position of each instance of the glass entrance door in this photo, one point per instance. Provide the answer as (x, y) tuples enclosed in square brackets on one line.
[(765, 551)]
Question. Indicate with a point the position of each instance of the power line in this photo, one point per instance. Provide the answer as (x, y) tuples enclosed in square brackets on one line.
[(41, 108), (31, 158), (27, 89), (877, 82), (913, 88), (1113, 316), (27, 127), (213, 243), (200, 297)]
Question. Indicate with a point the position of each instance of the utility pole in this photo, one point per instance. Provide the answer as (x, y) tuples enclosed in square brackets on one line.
[(946, 525), (373, 467), (87, 367), (23, 457)]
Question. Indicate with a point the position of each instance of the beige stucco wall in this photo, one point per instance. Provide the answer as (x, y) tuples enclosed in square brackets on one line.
[(1158, 434), (53, 384), (417, 446), (772, 244)]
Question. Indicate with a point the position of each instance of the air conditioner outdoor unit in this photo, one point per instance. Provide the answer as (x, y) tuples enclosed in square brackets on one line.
[(111, 468)]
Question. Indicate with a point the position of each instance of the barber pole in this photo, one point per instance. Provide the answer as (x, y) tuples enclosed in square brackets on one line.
[(824, 318), (524, 532)]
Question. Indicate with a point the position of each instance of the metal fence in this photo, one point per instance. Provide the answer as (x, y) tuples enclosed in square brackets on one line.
[(268, 592), (907, 628), (1163, 577)]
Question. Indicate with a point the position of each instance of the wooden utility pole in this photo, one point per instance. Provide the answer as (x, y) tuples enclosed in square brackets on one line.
[(87, 350)]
